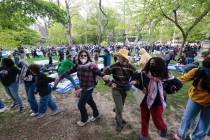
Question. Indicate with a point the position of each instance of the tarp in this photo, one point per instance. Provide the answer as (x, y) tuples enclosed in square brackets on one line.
[(65, 85), (43, 62)]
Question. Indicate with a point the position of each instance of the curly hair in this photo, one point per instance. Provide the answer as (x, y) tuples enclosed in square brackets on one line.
[(160, 67), (34, 68), (7, 62)]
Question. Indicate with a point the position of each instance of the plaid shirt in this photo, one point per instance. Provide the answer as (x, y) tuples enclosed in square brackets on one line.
[(86, 75), (121, 74)]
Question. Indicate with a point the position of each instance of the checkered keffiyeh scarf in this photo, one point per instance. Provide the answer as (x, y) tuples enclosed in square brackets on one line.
[(155, 86)]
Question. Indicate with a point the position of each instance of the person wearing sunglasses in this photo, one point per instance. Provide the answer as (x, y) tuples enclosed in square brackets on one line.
[(87, 71)]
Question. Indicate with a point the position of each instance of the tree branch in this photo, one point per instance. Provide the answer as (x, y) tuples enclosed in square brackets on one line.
[(198, 19), (175, 20)]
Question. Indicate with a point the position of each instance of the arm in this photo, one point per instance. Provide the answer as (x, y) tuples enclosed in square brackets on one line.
[(188, 76), (70, 71)]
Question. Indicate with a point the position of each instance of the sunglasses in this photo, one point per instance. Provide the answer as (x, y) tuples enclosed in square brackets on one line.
[(83, 55)]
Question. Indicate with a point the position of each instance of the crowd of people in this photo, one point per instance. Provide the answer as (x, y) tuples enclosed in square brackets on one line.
[(150, 75)]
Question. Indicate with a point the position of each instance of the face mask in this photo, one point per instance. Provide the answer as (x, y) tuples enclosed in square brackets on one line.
[(83, 61)]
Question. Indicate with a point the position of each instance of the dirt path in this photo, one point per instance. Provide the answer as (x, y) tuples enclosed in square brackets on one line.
[(63, 125)]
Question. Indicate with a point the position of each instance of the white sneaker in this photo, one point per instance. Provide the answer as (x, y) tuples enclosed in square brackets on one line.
[(41, 116), (55, 112), (34, 114), (80, 123), (92, 119), (3, 109)]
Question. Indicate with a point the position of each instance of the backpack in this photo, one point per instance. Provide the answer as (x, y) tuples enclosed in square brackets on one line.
[(205, 79)]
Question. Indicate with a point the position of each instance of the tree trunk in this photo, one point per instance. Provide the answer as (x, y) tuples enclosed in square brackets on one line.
[(69, 24), (183, 44)]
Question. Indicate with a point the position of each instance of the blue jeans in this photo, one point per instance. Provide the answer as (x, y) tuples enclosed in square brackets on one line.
[(86, 97), (189, 60), (47, 101), (70, 78), (12, 91), (30, 92), (1, 104), (192, 110)]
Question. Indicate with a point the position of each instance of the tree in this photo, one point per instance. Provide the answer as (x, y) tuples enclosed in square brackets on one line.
[(200, 9)]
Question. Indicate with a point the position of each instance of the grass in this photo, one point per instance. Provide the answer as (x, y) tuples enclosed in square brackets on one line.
[(176, 101)]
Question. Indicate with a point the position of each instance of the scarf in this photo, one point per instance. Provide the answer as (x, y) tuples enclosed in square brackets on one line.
[(155, 86)]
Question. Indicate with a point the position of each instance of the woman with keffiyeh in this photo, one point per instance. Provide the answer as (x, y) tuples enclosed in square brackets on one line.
[(155, 81)]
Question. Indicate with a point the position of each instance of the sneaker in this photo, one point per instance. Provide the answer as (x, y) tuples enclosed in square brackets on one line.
[(21, 110), (55, 112), (92, 119), (34, 114), (13, 106), (41, 116), (3, 109), (80, 123)]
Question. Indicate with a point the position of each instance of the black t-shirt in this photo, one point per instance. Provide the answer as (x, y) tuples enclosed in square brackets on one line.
[(10, 76)]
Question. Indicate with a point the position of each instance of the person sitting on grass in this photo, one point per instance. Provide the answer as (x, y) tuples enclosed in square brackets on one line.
[(44, 90)]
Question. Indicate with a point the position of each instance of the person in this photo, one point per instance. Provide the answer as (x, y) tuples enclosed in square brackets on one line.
[(155, 81), (2, 107), (144, 58), (44, 90), (49, 54), (168, 57), (186, 68), (64, 66), (27, 78), (29, 83), (198, 103), (9, 78), (87, 71), (121, 71), (106, 57), (61, 54)]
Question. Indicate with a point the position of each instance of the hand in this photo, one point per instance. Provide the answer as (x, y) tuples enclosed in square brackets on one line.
[(56, 82), (133, 82), (78, 92), (114, 85), (106, 77)]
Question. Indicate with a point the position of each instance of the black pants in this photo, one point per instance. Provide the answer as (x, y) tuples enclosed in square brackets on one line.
[(86, 97)]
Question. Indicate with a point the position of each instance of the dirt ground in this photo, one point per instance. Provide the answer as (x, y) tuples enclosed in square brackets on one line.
[(16, 126)]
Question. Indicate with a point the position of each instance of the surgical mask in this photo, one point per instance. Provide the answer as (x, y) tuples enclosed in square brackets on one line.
[(83, 61)]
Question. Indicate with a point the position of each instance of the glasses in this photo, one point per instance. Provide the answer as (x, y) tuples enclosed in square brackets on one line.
[(83, 55)]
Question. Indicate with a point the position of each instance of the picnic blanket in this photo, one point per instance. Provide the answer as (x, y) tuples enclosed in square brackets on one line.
[(65, 85), (43, 62)]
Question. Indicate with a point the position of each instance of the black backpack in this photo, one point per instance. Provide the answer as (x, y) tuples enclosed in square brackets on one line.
[(205, 79)]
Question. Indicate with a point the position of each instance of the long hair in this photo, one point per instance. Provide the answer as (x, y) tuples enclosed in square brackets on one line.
[(88, 56), (160, 67), (200, 74)]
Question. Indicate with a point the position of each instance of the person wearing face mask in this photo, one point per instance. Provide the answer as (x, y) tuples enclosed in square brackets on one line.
[(87, 71), (155, 81), (121, 71)]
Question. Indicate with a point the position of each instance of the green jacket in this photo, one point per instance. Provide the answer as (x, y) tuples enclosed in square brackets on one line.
[(65, 65)]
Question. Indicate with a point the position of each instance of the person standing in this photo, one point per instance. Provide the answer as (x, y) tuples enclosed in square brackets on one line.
[(154, 81), (9, 78), (121, 71), (198, 103), (87, 71)]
